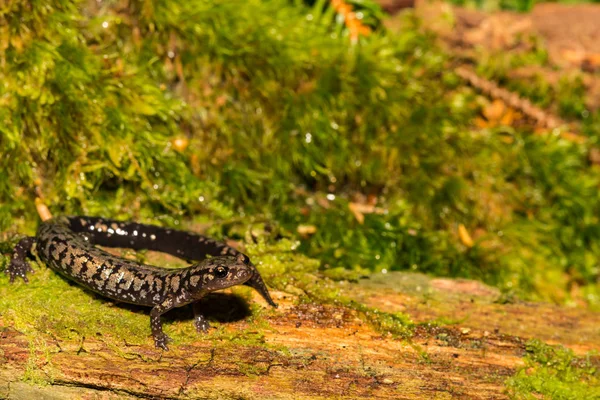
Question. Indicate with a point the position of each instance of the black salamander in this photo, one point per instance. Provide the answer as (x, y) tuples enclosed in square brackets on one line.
[(67, 245)]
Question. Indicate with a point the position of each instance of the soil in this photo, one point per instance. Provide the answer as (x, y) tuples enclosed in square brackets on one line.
[(570, 34)]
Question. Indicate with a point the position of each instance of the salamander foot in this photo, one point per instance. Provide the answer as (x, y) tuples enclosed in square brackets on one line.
[(161, 340)]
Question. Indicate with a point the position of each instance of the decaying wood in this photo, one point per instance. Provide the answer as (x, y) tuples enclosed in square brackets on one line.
[(313, 351)]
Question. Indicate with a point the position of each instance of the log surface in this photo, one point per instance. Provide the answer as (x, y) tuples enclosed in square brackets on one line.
[(465, 345)]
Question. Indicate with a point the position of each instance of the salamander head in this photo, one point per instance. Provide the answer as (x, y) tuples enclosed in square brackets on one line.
[(219, 273)]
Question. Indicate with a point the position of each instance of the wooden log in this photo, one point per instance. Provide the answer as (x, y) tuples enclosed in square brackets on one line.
[(465, 345)]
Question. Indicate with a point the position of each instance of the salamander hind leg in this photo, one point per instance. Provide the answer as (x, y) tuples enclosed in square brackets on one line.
[(19, 266)]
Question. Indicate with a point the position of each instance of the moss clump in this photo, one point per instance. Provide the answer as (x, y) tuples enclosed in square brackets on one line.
[(287, 270), (555, 372), (48, 303)]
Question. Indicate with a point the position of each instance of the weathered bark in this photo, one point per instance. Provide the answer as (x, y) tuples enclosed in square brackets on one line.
[(312, 351)]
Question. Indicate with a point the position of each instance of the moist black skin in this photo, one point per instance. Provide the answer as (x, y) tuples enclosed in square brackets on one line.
[(66, 244)]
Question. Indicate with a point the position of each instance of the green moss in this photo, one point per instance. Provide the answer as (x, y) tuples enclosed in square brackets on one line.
[(287, 270), (284, 120), (555, 372), (39, 356), (50, 304), (571, 97)]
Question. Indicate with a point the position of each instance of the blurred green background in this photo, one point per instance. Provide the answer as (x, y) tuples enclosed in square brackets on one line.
[(230, 114)]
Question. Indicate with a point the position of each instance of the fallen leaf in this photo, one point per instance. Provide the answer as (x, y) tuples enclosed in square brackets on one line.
[(573, 56), (573, 137), (306, 230), (42, 209), (508, 118), (594, 156), (464, 236), (323, 202), (494, 111), (180, 143), (354, 209), (593, 59)]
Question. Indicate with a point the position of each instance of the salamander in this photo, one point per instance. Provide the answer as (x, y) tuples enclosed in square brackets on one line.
[(68, 246)]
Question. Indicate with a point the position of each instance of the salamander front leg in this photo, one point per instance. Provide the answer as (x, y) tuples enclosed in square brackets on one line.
[(19, 266), (160, 338), (200, 322)]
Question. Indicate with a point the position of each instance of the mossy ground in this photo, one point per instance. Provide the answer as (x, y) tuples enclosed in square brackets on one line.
[(556, 372), (223, 110), (265, 123)]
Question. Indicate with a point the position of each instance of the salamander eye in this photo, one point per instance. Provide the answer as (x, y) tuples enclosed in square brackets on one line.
[(221, 271)]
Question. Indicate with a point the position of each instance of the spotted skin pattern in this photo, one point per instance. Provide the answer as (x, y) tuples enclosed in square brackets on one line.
[(67, 245)]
